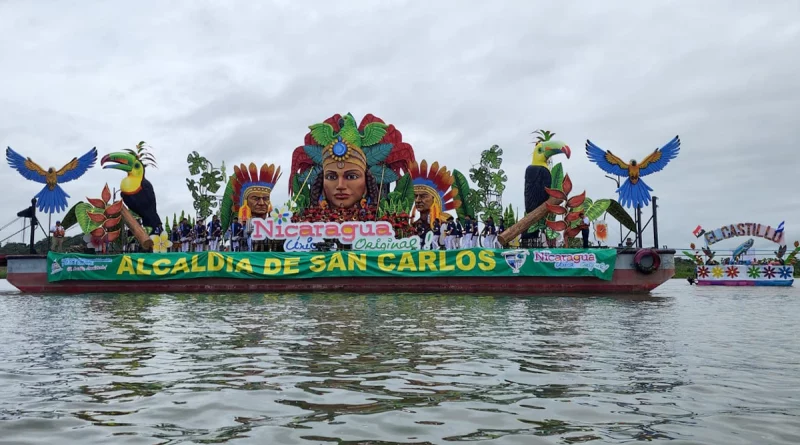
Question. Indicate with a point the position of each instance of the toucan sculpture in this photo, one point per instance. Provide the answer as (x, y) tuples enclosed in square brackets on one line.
[(137, 192), (537, 175)]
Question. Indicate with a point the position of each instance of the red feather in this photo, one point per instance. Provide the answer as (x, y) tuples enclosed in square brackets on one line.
[(413, 168), (300, 163), (253, 172), (264, 173), (368, 119), (449, 195)]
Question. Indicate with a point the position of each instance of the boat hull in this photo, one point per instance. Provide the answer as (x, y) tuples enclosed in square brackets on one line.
[(28, 273)]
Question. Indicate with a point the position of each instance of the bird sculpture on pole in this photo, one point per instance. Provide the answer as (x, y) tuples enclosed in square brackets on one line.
[(52, 198), (634, 192)]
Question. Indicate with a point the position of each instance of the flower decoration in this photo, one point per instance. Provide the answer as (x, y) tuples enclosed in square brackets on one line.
[(702, 271), (785, 272), (716, 271), (161, 243), (732, 272), (281, 215), (769, 272), (754, 272)]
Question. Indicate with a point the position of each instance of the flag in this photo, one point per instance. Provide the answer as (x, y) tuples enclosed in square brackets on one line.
[(780, 228), (698, 232)]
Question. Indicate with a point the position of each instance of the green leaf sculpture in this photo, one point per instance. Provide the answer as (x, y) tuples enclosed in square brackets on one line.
[(618, 212), (460, 182)]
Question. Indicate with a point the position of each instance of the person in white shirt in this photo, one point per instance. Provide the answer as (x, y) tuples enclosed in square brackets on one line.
[(58, 236), (585, 230)]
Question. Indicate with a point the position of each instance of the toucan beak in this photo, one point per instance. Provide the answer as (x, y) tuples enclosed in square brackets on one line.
[(564, 149), (121, 161)]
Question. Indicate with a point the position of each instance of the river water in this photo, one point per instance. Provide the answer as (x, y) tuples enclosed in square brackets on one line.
[(688, 365)]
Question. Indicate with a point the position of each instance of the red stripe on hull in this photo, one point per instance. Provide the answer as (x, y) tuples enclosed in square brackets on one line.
[(624, 281)]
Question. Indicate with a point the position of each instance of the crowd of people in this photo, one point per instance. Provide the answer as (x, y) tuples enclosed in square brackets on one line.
[(451, 234)]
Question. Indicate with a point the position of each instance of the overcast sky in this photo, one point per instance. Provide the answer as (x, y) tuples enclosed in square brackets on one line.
[(241, 82)]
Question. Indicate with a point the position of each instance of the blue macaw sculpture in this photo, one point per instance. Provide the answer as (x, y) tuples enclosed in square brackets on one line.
[(634, 192), (51, 199)]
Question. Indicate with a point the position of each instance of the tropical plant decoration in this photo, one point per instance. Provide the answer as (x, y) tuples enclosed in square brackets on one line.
[(100, 220), (400, 200), (569, 212)]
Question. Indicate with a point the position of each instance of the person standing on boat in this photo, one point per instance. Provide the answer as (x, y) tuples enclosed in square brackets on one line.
[(449, 233), (585, 229), (58, 236), (489, 233), (467, 240), (475, 233), (186, 235), (459, 234), (200, 235), (237, 232), (175, 237), (437, 233), (214, 233)]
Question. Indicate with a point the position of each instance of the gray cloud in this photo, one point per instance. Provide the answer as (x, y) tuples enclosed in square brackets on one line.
[(241, 82)]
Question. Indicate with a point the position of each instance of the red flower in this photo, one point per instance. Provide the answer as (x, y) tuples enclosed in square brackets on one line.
[(732, 271)]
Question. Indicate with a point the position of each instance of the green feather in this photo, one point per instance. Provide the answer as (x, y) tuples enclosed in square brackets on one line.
[(386, 173), (322, 133), (618, 212), (460, 182), (226, 208), (378, 153), (373, 133)]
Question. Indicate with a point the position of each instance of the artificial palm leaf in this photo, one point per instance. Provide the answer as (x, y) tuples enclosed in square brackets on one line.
[(460, 182)]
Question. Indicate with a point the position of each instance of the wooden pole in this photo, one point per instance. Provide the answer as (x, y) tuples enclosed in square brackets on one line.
[(137, 229), (522, 225)]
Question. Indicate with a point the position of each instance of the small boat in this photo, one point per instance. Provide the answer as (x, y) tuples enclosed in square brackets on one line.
[(517, 271)]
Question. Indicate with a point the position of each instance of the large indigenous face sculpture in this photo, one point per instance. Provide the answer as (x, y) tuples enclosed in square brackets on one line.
[(433, 191), (343, 165), (252, 188), (345, 174)]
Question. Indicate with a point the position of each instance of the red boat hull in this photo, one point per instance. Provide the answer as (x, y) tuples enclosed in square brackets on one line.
[(28, 274)]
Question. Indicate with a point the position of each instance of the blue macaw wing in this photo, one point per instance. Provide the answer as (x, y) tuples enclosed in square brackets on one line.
[(27, 168), (77, 166), (605, 160), (660, 158)]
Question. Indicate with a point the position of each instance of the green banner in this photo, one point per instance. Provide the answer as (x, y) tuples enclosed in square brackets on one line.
[(475, 262)]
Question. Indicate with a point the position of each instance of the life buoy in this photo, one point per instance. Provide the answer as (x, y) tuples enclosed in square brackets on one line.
[(647, 261)]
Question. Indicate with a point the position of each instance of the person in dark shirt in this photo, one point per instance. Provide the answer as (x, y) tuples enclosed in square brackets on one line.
[(489, 233), (459, 232), (200, 235), (237, 232), (437, 235), (466, 242), (175, 237), (186, 235), (214, 233)]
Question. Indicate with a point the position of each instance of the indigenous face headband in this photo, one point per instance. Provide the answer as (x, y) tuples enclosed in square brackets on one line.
[(340, 151)]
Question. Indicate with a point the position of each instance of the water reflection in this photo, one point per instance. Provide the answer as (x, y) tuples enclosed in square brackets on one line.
[(392, 369)]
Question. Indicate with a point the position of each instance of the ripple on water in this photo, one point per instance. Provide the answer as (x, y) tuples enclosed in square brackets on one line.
[(689, 365)]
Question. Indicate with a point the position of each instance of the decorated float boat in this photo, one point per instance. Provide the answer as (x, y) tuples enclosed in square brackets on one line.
[(739, 270), (363, 216), (476, 270)]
